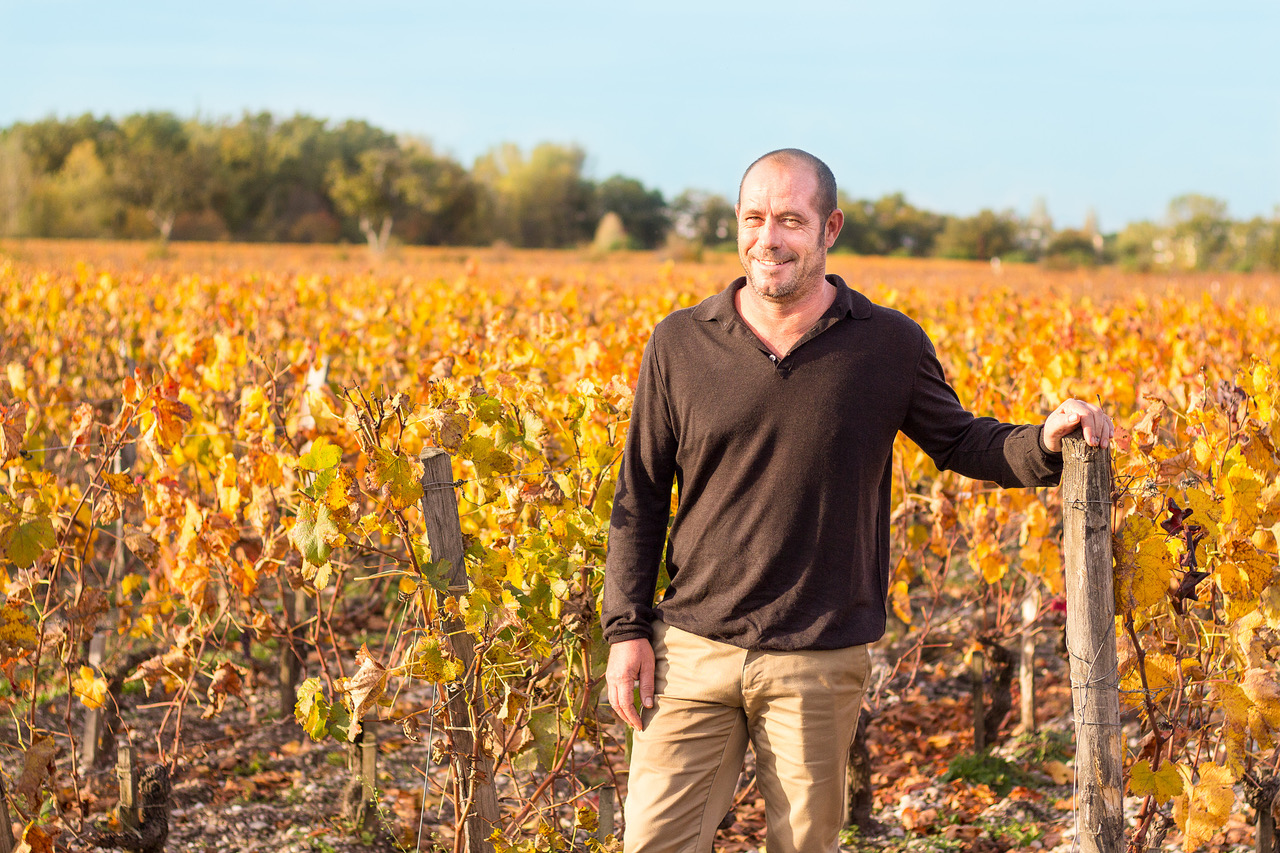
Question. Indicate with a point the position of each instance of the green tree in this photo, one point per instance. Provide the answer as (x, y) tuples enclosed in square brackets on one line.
[(541, 200), (643, 212), (439, 199), (1144, 246), (159, 171), (889, 225), (371, 192), (981, 237), (704, 218), (1200, 228)]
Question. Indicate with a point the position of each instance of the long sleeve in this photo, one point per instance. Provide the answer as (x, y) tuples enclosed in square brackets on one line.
[(982, 448), (641, 509)]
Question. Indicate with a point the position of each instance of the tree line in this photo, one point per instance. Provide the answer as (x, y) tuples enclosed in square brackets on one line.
[(305, 179)]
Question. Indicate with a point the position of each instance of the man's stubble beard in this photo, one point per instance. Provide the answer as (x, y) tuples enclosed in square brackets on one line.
[(785, 290)]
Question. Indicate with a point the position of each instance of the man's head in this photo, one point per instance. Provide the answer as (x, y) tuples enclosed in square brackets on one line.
[(787, 220), (825, 199)]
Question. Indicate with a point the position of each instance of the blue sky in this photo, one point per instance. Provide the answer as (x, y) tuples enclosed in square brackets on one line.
[(1120, 105)]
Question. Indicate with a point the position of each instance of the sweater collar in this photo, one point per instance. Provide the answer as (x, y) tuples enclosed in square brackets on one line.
[(848, 303)]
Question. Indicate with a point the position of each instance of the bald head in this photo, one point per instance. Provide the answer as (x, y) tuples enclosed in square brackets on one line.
[(825, 197)]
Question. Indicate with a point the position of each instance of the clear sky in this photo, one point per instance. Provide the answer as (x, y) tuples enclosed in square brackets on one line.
[(960, 105)]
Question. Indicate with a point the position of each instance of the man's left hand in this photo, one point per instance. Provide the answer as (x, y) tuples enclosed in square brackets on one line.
[(1073, 415)]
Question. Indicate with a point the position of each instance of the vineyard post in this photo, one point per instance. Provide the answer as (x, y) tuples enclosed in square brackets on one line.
[(6, 826), (605, 828), (127, 809), (473, 768), (977, 677), (91, 738), (1091, 645), (360, 797), (1027, 660)]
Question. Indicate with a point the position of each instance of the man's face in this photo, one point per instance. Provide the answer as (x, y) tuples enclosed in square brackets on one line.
[(782, 236)]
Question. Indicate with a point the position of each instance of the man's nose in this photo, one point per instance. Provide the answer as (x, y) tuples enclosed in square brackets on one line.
[(769, 232)]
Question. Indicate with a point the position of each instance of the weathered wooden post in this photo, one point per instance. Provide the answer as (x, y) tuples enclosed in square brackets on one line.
[(472, 766), (977, 690), (127, 808), (94, 718), (359, 796), (605, 828), (1091, 645), (6, 827), (1027, 661)]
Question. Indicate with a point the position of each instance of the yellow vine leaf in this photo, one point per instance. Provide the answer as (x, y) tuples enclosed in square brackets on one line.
[(1237, 712), (430, 662), (1163, 784), (987, 558), (89, 687), (1243, 491), (314, 533), (1242, 573), (1207, 512), (396, 477), (1205, 807), (322, 456), (23, 543), (1143, 565), (1262, 686), (901, 600)]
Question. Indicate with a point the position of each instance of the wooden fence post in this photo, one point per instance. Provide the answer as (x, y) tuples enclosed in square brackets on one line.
[(360, 803), (6, 825), (473, 768), (94, 718), (977, 690), (127, 808), (605, 828), (1027, 660), (1091, 645)]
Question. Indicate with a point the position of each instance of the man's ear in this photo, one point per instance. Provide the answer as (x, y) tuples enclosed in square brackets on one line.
[(834, 223)]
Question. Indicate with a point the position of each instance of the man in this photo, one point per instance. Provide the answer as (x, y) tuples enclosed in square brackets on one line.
[(774, 406)]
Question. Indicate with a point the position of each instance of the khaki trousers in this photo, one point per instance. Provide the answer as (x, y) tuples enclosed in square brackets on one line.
[(797, 709)]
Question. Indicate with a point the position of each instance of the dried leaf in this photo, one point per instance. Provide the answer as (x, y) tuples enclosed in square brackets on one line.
[(364, 688), (35, 770)]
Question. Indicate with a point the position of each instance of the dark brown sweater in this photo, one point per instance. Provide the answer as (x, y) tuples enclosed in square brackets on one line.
[(781, 537)]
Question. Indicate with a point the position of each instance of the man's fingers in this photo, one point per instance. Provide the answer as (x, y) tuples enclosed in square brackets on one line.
[(623, 702), (1077, 414), (646, 683)]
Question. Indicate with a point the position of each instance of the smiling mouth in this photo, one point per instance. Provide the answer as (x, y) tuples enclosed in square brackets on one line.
[(770, 262)]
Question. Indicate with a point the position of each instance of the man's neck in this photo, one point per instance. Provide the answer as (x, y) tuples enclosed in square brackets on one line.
[(779, 325)]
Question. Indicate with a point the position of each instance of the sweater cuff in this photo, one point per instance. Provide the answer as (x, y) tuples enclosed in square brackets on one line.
[(1048, 454)]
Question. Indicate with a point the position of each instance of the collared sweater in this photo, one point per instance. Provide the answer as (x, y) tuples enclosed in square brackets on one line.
[(780, 539)]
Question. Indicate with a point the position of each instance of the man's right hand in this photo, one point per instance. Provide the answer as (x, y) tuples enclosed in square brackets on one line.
[(630, 663)]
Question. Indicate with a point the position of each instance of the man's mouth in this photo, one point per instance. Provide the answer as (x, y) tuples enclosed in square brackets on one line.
[(773, 262)]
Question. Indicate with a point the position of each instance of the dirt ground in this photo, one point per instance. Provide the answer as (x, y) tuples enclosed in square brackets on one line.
[(249, 782)]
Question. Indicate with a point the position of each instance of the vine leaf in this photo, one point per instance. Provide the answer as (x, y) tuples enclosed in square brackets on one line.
[(35, 770), (24, 542), (82, 429), (397, 478), (1163, 784), (312, 708), (1204, 810), (314, 533), (364, 688), (13, 426), (323, 455), (89, 688)]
